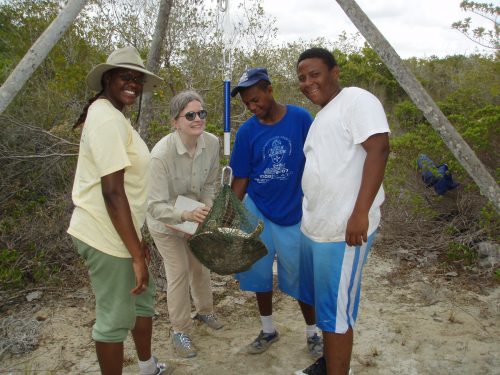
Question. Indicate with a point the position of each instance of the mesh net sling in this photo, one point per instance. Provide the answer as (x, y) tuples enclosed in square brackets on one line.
[(228, 241)]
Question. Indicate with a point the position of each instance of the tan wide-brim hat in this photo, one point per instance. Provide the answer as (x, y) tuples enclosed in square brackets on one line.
[(126, 58)]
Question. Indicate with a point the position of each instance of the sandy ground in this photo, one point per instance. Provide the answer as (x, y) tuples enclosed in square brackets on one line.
[(408, 324)]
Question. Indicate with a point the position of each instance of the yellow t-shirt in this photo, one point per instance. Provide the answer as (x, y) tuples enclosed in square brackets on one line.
[(108, 144)]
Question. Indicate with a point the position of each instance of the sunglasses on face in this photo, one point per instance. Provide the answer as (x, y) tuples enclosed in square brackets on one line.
[(191, 115), (140, 80)]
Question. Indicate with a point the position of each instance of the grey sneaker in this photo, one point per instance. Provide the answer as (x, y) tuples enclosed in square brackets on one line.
[(315, 345), (182, 345), (162, 368), (262, 342), (210, 320)]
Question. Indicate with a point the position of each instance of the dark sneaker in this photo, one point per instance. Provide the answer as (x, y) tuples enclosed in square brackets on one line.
[(210, 320), (317, 368), (315, 345), (262, 342)]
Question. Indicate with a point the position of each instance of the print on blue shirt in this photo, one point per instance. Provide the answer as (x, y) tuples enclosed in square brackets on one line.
[(278, 149), (272, 158)]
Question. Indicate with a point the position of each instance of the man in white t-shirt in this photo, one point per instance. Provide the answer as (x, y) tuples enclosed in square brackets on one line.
[(346, 152)]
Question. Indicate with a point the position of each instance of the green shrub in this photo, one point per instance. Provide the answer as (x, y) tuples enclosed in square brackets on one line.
[(11, 276), (408, 115), (215, 129), (459, 251), (489, 221)]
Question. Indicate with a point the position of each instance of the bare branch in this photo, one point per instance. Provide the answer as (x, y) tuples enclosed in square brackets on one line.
[(20, 157)]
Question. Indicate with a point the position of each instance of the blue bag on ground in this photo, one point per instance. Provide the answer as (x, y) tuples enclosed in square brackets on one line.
[(434, 175)]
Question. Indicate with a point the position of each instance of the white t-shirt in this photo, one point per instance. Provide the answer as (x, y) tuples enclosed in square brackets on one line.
[(334, 164), (108, 144)]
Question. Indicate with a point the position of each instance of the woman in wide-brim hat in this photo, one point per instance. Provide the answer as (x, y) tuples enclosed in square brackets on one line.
[(109, 194)]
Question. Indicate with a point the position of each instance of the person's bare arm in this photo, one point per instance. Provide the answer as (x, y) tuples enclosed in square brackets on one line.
[(239, 186), (115, 199), (377, 152)]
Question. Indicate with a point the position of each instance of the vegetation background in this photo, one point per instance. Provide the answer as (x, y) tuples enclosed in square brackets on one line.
[(38, 148)]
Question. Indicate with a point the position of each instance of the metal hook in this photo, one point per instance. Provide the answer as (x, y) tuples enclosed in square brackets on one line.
[(223, 5), (224, 170)]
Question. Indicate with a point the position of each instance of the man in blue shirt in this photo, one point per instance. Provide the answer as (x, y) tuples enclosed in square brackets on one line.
[(267, 163)]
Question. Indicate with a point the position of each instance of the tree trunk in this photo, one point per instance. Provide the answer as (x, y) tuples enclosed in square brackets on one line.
[(464, 154), (38, 52), (153, 63)]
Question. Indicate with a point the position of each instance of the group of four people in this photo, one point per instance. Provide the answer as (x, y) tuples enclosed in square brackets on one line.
[(316, 185)]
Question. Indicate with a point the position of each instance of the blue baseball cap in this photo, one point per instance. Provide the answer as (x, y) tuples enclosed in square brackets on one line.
[(250, 78)]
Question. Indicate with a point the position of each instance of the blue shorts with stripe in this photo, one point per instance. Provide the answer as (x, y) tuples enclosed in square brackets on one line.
[(330, 280), (282, 242)]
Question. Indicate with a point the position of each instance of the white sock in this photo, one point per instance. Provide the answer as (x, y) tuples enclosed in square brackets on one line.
[(147, 367), (267, 324), (311, 330)]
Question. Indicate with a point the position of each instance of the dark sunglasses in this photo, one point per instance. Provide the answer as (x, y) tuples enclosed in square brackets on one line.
[(141, 80), (191, 115)]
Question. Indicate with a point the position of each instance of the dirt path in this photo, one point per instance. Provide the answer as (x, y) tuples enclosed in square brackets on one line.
[(412, 324)]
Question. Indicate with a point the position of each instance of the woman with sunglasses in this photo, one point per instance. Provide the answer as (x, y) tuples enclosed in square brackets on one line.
[(109, 193), (185, 162)]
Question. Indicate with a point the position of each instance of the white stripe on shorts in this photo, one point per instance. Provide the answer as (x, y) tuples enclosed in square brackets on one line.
[(343, 289), (363, 253)]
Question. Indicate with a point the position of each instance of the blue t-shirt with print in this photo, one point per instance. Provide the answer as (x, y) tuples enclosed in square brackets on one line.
[(272, 158)]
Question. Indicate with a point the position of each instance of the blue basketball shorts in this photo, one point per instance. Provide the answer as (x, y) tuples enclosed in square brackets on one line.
[(330, 280), (283, 243)]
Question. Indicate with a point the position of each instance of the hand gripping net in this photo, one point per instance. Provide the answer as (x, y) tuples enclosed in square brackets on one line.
[(228, 240)]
